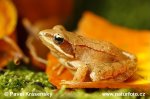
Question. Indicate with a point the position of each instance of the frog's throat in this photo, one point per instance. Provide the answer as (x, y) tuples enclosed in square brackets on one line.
[(48, 41)]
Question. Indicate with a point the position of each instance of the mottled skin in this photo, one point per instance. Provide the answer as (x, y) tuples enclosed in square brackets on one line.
[(91, 60)]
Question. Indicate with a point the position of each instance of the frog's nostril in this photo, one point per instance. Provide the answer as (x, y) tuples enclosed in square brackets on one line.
[(41, 33)]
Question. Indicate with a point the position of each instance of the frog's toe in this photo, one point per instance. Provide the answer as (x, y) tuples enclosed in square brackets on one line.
[(59, 67), (60, 70), (56, 66)]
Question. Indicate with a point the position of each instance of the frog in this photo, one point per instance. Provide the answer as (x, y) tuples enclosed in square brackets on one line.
[(88, 59)]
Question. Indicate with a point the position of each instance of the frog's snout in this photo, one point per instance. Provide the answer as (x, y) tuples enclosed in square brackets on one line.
[(42, 33)]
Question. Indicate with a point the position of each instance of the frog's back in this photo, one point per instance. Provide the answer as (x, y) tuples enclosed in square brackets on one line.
[(101, 46), (91, 57)]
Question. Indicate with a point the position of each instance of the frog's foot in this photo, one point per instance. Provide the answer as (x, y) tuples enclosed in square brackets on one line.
[(59, 67)]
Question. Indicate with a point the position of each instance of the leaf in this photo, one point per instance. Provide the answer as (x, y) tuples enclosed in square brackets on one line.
[(8, 18), (37, 51), (132, 40), (7, 53), (52, 74)]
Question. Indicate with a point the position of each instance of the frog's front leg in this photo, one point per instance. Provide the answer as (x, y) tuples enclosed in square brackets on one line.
[(60, 68), (80, 74)]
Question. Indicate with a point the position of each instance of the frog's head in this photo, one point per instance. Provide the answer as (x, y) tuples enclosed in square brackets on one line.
[(56, 41)]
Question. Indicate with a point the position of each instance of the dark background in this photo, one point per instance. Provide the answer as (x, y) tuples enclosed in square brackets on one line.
[(129, 13)]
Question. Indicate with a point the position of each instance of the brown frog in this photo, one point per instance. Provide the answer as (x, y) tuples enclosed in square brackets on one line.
[(91, 60)]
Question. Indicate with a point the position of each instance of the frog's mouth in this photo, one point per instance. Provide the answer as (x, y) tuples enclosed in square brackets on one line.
[(48, 41)]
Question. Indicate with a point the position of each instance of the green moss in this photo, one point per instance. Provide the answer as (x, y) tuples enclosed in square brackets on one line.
[(99, 94), (21, 79)]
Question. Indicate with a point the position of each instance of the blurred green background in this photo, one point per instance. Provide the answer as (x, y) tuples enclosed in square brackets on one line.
[(129, 13)]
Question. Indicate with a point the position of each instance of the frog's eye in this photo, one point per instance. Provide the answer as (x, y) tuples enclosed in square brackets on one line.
[(58, 39)]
